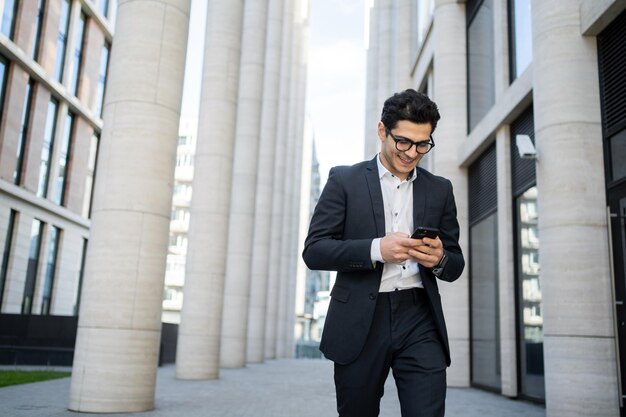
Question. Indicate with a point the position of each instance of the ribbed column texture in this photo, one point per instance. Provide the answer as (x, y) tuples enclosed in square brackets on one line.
[(199, 335), (117, 345)]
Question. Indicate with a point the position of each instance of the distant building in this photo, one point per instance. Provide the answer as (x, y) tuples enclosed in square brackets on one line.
[(310, 318), (179, 225), (532, 136)]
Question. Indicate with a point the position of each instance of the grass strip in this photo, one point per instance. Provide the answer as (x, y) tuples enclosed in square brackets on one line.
[(15, 377)]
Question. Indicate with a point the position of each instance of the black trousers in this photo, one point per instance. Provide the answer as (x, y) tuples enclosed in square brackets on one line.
[(403, 337)]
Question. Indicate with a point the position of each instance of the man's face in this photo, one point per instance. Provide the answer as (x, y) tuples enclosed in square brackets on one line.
[(397, 162)]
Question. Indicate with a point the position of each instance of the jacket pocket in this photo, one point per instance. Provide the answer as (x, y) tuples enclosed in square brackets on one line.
[(340, 293)]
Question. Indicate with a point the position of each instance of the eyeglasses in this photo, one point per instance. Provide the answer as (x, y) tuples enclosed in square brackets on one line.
[(403, 144)]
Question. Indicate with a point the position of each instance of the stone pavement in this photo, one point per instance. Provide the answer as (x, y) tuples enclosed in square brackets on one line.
[(278, 388)]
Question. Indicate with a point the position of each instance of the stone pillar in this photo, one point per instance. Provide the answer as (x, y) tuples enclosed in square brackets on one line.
[(506, 266), (198, 350), (284, 273), (117, 346), (292, 255), (271, 323), (449, 78), (383, 12), (264, 184), (579, 340), (241, 226), (372, 111), (403, 16)]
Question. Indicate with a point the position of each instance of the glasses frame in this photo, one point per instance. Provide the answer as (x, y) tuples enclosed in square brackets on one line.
[(431, 142)]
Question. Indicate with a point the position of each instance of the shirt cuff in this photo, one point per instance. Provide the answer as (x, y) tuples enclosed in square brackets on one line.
[(375, 252)]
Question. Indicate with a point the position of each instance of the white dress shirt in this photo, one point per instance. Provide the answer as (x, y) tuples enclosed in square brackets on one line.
[(398, 203)]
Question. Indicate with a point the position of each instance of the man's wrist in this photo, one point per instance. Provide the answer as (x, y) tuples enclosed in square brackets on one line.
[(375, 253), (438, 269)]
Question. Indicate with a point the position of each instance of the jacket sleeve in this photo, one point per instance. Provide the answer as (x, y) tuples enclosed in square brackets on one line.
[(449, 236), (326, 247)]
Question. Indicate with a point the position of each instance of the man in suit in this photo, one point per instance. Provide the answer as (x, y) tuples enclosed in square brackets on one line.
[(385, 311)]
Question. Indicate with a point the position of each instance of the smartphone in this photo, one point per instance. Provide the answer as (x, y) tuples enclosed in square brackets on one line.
[(422, 232)]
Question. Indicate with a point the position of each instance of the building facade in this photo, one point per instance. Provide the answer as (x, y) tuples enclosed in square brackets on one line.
[(531, 95), (53, 72), (312, 286), (87, 181), (179, 224)]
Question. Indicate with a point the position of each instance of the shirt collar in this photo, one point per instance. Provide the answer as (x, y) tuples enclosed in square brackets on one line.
[(382, 171)]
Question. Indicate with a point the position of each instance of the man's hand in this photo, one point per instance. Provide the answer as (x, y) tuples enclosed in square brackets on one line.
[(426, 251), (395, 247)]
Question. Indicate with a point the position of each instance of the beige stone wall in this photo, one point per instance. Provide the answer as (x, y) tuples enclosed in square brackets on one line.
[(17, 80), (39, 116), (92, 50)]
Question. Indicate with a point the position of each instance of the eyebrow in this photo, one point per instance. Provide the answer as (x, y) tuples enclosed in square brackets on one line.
[(412, 141)]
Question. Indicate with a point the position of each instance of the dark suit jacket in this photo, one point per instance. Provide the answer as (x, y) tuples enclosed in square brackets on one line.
[(348, 216)]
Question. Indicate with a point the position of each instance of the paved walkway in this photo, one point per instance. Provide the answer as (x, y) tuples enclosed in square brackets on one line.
[(280, 388)]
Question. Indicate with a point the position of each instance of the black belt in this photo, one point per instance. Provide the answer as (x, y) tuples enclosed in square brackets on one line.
[(413, 295)]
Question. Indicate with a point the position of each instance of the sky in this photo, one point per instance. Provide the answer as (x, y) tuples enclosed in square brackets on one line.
[(335, 102), (336, 81)]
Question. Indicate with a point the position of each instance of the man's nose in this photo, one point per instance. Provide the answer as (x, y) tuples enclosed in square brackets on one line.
[(412, 153)]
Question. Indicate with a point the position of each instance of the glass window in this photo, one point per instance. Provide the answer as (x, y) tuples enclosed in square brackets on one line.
[(21, 139), (4, 69), (91, 175), (48, 284), (78, 54), (529, 287), (64, 156), (480, 64), (520, 36), (485, 317), (33, 266), (8, 18), (64, 25), (102, 78), (46, 149), (425, 10), (81, 273), (104, 8), (8, 244), (618, 156), (40, 8)]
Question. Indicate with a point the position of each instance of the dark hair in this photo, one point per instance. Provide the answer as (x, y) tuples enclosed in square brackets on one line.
[(412, 106)]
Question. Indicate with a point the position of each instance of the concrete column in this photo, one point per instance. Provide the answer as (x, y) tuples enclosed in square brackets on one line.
[(264, 184), (402, 34), (579, 340), (117, 346), (450, 78), (271, 323), (372, 111), (241, 226), (383, 12), (198, 350), (288, 175), (293, 255), (506, 266)]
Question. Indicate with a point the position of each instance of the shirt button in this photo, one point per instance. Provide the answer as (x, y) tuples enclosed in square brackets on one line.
[(403, 267), (398, 187), (372, 296)]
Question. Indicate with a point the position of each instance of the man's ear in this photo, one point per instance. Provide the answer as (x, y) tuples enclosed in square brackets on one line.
[(382, 131)]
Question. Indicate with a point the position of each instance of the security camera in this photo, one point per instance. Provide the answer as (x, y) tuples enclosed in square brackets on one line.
[(525, 147)]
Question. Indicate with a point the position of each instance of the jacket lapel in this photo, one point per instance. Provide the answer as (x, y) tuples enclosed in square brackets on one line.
[(376, 196), (419, 200)]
